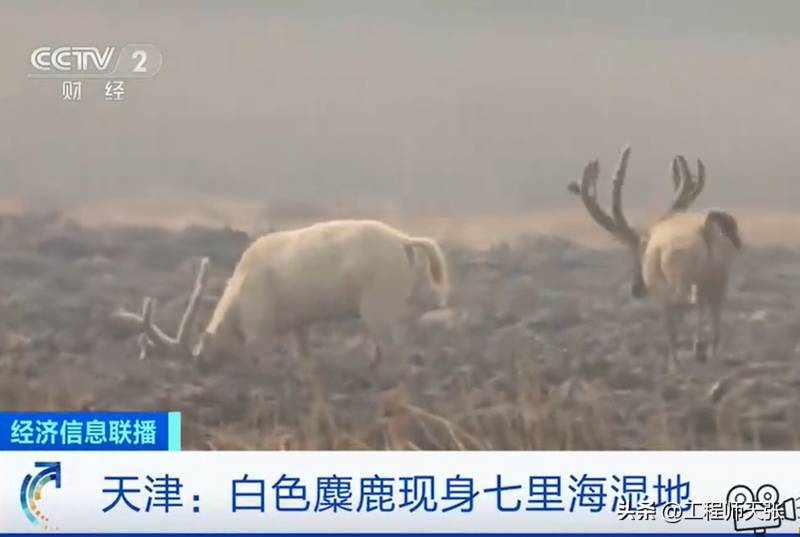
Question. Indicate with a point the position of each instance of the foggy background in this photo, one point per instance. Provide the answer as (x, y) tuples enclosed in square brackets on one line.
[(429, 106)]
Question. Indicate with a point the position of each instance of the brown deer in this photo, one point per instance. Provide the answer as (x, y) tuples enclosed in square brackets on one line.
[(684, 259)]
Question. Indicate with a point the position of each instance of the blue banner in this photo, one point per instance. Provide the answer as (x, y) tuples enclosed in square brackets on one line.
[(392, 534), (342, 492), (90, 431)]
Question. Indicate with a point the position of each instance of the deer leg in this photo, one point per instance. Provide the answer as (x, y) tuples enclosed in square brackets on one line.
[(301, 341), (377, 357), (384, 346), (716, 301), (671, 316), (716, 318), (700, 344), (379, 310)]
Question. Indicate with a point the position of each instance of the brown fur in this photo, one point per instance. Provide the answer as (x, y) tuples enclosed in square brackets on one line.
[(684, 258)]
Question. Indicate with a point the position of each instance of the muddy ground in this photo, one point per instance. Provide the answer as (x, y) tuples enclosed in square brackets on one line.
[(542, 349)]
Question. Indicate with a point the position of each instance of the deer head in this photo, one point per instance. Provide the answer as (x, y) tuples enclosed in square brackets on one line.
[(687, 189)]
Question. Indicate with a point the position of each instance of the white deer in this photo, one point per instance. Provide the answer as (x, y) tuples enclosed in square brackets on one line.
[(684, 258), (287, 280)]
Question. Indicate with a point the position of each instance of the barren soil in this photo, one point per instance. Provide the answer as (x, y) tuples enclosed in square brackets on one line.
[(543, 348)]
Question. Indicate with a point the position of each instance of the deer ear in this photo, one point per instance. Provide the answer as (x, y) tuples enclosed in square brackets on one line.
[(726, 223)]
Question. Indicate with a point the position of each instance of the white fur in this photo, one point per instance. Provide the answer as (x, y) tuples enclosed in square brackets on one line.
[(288, 280)]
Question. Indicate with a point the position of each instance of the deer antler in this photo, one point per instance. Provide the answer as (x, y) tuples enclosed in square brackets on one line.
[(687, 188), (629, 235), (587, 190), (153, 337)]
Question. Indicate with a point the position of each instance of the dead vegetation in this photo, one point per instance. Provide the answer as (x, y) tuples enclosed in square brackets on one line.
[(542, 349)]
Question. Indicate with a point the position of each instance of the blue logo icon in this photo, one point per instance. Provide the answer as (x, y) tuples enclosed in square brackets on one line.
[(30, 494)]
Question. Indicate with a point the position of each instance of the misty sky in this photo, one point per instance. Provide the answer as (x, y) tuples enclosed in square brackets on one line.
[(432, 106)]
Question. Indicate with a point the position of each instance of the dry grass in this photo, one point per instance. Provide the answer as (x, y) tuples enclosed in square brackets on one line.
[(542, 349)]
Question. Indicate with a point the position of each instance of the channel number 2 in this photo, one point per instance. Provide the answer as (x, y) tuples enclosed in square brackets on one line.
[(140, 57)]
